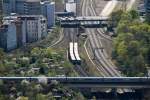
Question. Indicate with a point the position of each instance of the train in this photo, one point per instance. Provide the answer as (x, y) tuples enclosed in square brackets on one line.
[(73, 53)]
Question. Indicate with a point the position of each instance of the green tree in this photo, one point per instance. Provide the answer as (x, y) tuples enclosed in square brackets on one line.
[(41, 97), (134, 14), (2, 68), (68, 68), (132, 45), (23, 98), (115, 17), (2, 97), (147, 18), (2, 54)]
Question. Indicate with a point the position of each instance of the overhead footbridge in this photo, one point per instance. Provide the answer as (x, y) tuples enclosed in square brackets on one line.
[(84, 21)]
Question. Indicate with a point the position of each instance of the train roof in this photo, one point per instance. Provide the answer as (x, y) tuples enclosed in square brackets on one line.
[(76, 53)]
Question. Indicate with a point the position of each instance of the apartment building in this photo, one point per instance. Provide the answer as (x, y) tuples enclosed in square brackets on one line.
[(34, 26), (1, 11), (21, 7), (147, 6), (8, 35), (16, 31), (31, 7), (48, 10)]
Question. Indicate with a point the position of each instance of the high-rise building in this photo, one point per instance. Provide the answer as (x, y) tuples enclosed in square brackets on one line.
[(20, 36), (21, 7), (1, 9), (31, 7), (147, 6), (19, 30), (34, 26), (48, 10), (8, 40)]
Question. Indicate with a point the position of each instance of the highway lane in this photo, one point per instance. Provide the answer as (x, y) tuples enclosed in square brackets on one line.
[(108, 8), (130, 4)]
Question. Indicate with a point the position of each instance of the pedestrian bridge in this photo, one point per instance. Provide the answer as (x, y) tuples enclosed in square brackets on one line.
[(84, 21), (64, 14), (104, 82)]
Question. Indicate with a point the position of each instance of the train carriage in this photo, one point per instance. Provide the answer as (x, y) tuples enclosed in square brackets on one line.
[(73, 53), (76, 53)]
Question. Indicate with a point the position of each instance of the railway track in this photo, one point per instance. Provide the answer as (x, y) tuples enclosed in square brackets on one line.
[(106, 65), (72, 37), (86, 12), (104, 54)]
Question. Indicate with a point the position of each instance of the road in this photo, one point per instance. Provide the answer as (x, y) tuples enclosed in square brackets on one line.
[(100, 55), (130, 4), (102, 82), (109, 8)]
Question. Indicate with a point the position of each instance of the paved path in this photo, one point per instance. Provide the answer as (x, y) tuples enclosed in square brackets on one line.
[(109, 8)]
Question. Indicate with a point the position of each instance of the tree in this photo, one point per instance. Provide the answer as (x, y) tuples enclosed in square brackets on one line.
[(134, 14), (48, 53), (36, 52), (79, 96), (147, 18), (132, 45), (122, 49), (2, 68), (115, 17), (41, 97), (2, 97), (2, 54), (22, 98), (68, 68)]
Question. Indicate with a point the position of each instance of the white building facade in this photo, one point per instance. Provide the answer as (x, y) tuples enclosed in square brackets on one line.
[(16, 31), (31, 7), (34, 26)]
